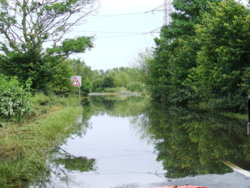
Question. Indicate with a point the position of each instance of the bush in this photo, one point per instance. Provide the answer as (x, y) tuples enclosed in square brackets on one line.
[(60, 83), (97, 86), (135, 86), (102, 84), (86, 86), (14, 100)]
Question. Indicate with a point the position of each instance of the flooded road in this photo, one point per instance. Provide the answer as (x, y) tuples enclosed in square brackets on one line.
[(122, 142), (121, 157)]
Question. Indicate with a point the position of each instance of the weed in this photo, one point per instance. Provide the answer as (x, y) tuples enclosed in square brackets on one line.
[(25, 147)]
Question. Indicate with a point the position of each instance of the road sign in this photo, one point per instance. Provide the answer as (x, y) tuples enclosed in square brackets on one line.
[(76, 80)]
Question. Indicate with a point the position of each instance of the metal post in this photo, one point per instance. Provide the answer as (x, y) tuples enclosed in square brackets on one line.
[(248, 110), (168, 10), (79, 92)]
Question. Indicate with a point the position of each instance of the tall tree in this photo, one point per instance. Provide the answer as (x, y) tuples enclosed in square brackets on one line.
[(28, 27), (222, 75), (175, 53)]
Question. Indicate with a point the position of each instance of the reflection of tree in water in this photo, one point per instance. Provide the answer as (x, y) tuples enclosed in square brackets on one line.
[(117, 106), (72, 162), (194, 142), (105, 102), (81, 164), (61, 163)]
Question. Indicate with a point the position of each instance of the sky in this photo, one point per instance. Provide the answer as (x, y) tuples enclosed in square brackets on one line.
[(122, 30)]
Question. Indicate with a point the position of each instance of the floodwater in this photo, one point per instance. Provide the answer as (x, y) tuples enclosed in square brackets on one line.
[(122, 142)]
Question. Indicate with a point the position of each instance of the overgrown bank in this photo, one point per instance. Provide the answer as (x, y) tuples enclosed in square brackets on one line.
[(24, 147)]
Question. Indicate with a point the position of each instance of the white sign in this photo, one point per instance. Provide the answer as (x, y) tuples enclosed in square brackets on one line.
[(76, 80)]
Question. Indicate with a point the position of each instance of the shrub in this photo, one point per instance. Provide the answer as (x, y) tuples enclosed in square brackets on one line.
[(135, 86), (86, 86), (60, 83), (14, 99)]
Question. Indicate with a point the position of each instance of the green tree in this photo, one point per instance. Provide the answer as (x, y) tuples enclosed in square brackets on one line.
[(141, 64), (108, 82), (222, 74), (28, 27), (175, 54), (125, 77), (60, 83), (97, 85), (120, 77), (81, 69)]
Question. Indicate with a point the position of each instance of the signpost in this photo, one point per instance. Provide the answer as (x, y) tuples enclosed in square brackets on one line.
[(77, 82)]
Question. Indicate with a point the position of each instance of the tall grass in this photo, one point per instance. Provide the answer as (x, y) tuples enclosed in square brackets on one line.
[(25, 147)]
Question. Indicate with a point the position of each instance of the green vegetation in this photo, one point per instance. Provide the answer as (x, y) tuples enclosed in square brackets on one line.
[(28, 29), (34, 68), (193, 142), (35, 48), (119, 79), (202, 56), (14, 99), (26, 146), (81, 164), (117, 106), (34, 71)]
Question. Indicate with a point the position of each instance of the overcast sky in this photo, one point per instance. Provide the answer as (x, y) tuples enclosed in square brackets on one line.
[(122, 29)]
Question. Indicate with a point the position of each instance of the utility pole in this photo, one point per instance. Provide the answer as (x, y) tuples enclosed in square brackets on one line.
[(168, 9)]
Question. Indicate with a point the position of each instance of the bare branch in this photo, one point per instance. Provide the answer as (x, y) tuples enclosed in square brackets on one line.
[(15, 35), (11, 42), (74, 23), (24, 21)]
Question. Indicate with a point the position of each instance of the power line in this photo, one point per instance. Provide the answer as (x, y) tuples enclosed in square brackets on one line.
[(115, 15), (129, 35), (130, 14), (125, 34), (110, 32), (121, 36), (117, 36)]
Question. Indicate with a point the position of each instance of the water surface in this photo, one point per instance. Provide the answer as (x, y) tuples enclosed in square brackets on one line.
[(125, 142), (115, 150)]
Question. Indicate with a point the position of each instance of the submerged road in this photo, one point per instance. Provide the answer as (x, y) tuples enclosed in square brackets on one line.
[(123, 144)]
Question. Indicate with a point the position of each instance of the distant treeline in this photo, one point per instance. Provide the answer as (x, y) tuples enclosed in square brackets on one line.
[(119, 79)]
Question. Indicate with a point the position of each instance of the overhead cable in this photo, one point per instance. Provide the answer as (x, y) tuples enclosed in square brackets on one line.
[(130, 14)]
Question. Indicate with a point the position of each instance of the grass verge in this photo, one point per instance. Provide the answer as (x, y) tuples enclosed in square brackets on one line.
[(25, 147)]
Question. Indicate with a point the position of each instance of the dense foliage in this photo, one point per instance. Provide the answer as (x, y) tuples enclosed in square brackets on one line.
[(33, 38), (221, 76), (203, 55), (79, 68), (14, 99), (34, 47), (118, 79)]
